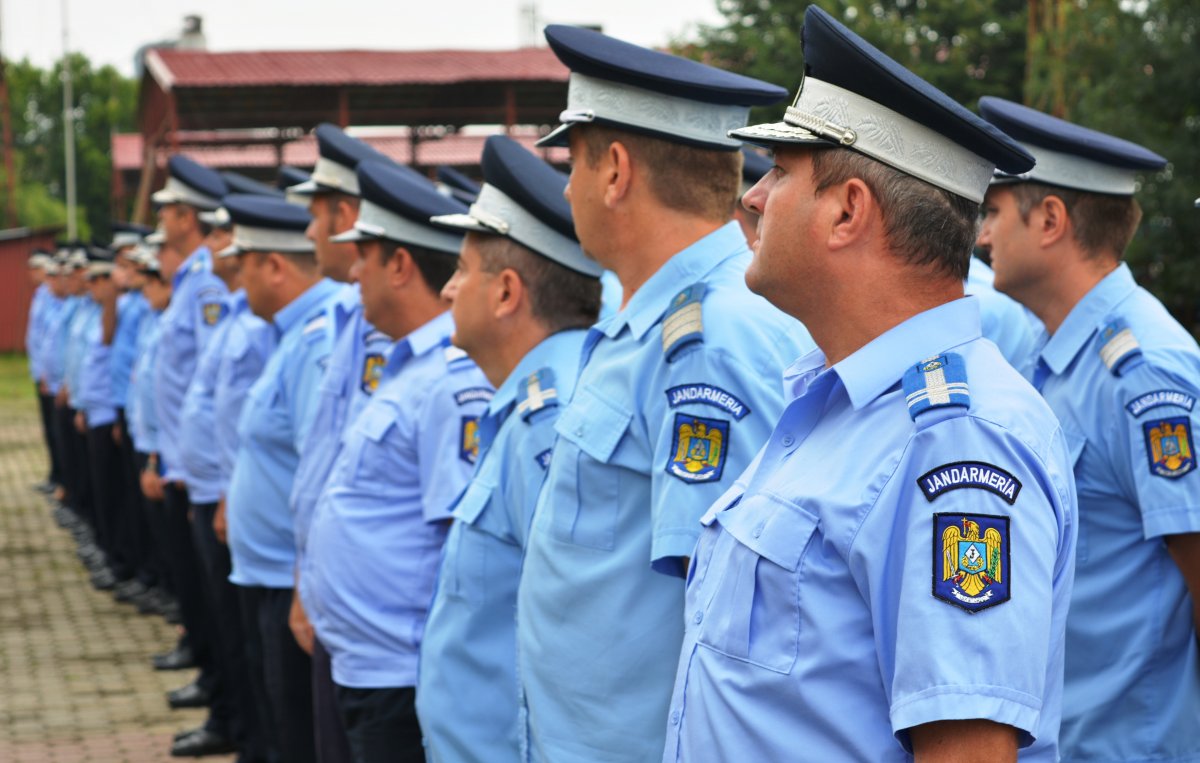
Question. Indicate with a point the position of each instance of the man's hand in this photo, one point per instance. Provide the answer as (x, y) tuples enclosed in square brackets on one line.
[(302, 630), (118, 433), (60, 398), (151, 485), (219, 526), (1185, 550), (80, 422)]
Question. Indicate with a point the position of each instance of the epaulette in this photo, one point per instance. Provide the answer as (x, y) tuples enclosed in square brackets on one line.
[(315, 324), (935, 383), (684, 320), (457, 359), (1118, 345), (537, 393)]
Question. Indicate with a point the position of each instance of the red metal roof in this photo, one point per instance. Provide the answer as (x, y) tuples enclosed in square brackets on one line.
[(458, 150), (205, 69)]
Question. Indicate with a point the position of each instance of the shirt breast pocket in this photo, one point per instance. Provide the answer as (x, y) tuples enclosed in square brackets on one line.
[(594, 427), (466, 565), (370, 448), (1076, 444), (752, 612)]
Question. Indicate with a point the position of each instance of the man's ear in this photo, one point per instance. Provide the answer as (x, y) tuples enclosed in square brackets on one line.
[(1053, 221), (399, 268), (618, 173), (344, 214), (507, 292), (851, 211)]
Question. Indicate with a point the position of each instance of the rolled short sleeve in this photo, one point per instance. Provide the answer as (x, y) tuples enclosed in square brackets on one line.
[(966, 559), (1157, 410), (711, 417)]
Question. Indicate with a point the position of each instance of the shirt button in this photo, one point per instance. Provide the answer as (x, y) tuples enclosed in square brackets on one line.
[(579, 431), (698, 617), (675, 718), (787, 440)]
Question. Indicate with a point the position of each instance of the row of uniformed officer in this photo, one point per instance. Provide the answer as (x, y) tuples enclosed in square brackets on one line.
[(705, 565)]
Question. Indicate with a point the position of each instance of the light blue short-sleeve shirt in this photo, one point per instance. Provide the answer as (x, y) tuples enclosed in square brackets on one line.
[(872, 571), (131, 307), (676, 394), (186, 326), (248, 343), (274, 421), (143, 419), (94, 395), (351, 377), (82, 319), (378, 528), (467, 692), (1132, 675), (56, 340)]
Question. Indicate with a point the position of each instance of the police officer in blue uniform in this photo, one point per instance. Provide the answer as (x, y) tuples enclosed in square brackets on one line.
[(185, 328), (889, 579), (1123, 377), (351, 377), (376, 533), (523, 298), (675, 394), (283, 286), (41, 265)]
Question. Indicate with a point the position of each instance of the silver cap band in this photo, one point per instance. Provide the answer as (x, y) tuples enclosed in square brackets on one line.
[(495, 212), (376, 222), (828, 114), (250, 238), (1071, 171)]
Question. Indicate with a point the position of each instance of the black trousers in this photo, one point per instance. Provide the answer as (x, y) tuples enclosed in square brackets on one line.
[(382, 724), (332, 744), (186, 574), (73, 455), (107, 487), (46, 409), (157, 541), (285, 678), (133, 536), (234, 711)]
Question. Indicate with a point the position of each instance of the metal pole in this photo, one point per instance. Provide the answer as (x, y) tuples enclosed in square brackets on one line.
[(10, 172), (68, 128)]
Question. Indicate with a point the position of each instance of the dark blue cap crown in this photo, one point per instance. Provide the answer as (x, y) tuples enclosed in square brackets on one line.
[(203, 179), (289, 176), (119, 226), (241, 184), (597, 55), (334, 144), (402, 191), (529, 181), (266, 212), (457, 181)]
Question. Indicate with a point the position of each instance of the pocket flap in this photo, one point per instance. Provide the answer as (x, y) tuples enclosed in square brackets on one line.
[(375, 424), (473, 502), (593, 424), (771, 527)]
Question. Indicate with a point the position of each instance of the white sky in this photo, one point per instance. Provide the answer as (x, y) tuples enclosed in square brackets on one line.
[(110, 31)]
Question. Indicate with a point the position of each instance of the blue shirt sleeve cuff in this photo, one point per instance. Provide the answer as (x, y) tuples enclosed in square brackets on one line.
[(960, 703), (1172, 521)]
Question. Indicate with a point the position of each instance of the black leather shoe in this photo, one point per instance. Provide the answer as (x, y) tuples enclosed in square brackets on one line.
[(179, 658), (188, 696), (45, 488), (129, 590), (202, 742), (103, 579), (153, 602), (186, 733)]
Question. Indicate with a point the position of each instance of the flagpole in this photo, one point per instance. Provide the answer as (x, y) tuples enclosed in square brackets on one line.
[(68, 128)]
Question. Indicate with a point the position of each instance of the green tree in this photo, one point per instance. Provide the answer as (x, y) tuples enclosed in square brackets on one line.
[(105, 102), (1126, 67)]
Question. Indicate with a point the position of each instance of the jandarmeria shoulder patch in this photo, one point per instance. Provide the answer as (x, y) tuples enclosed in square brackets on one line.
[(969, 474)]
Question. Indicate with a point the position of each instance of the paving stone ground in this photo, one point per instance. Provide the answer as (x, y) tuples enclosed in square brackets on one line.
[(75, 676)]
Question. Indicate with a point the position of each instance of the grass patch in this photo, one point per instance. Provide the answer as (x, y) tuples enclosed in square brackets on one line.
[(15, 384)]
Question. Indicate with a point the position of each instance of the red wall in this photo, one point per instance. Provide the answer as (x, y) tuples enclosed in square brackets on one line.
[(16, 291)]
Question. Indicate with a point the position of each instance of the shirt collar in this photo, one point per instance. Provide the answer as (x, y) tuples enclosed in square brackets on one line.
[(237, 302), (435, 333), (1086, 317), (551, 351), (683, 269), (301, 308), (874, 368), (199, 257)]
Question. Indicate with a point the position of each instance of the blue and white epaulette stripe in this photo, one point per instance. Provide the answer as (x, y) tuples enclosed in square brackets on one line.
[(315, 324), (937, 382), (456, 358), (1119, 345), (684, 320), (537, 393)]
